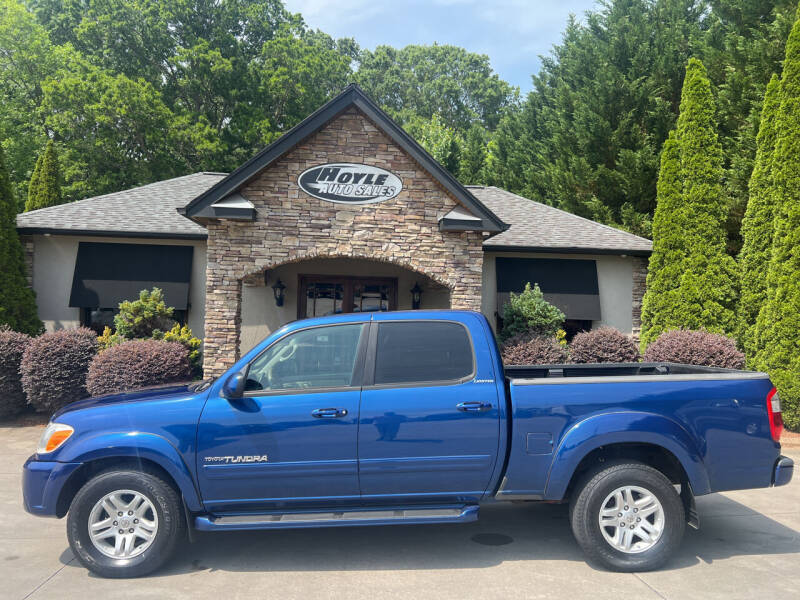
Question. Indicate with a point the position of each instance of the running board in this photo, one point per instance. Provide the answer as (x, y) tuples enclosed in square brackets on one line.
[(345, 518)]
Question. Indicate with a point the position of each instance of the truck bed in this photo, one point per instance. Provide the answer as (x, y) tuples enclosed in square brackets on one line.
[(712, 420), (639, 369)]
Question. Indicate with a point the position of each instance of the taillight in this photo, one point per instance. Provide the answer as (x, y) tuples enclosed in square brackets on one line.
[(774, 415)]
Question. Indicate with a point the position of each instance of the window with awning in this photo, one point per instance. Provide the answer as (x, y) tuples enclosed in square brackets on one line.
[(107, 274), (569, 284)]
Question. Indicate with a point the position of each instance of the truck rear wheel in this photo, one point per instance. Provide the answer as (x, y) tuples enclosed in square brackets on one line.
[(125, 523), (628, 517)]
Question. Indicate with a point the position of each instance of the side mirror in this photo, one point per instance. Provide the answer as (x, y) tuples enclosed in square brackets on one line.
[(233, 388)]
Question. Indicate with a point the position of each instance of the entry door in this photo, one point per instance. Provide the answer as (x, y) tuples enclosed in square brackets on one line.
[(429, 426), (292, 438), (322, 295)]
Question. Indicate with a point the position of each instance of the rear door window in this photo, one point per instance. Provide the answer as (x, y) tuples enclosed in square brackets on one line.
[(422, 351)]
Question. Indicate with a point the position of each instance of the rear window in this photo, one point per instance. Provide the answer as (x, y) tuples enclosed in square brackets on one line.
[(426, 351)]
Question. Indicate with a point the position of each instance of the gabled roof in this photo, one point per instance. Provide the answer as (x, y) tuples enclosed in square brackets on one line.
[(202, 207), (536, 227), (145, 211)]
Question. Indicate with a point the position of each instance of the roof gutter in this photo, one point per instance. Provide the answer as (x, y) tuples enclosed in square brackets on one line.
[(111, 233), (567, 250)]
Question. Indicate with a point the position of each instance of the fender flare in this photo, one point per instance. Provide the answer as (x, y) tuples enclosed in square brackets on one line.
[(620, 428), (141, 445)]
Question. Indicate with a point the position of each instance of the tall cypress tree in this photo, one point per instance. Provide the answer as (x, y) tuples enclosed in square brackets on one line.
[(33, 185), (757, 225), (778, 324), (46, 181), (693, 279), (17, 300)]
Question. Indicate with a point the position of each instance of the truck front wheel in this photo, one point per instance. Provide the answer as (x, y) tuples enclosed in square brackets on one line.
[(628, 517), (125, 523)]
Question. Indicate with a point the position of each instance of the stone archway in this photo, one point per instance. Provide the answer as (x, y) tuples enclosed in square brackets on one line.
[(230, 279), (326, 285)]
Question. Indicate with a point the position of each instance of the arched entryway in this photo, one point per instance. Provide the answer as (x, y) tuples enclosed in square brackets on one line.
[(324, 286)]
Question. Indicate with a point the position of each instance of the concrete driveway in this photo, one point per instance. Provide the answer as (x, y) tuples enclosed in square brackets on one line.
[(749, 545)]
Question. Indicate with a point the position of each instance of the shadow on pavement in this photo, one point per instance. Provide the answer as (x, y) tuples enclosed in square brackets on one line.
[(508, 532)]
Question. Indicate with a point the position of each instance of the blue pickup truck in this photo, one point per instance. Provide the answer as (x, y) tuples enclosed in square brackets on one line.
[(403, 418)]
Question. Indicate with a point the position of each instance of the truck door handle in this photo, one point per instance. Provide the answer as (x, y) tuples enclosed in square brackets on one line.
[(329, 413), (473, 406)]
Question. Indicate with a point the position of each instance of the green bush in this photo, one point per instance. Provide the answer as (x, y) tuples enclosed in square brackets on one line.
[(778, 324), (183, 335), (139, 319), (692, 281), (530, 312)]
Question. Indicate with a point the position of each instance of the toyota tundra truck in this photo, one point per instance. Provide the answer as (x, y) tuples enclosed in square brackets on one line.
[(403, 418)]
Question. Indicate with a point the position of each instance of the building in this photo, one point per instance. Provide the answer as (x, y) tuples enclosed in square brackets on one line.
[(343, 213)]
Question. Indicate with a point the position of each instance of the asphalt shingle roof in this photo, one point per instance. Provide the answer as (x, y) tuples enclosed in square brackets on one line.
[(149, 210), (538, 226)]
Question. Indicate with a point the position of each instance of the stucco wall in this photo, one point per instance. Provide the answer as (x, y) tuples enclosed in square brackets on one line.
[(54, 265), (260, 315), (614, 280)]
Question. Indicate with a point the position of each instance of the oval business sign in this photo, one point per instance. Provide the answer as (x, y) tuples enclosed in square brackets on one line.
[(350, 183)]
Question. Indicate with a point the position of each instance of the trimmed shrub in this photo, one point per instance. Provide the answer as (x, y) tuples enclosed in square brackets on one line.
[(533, 349), (141, 318), (777, 332), (757, 225), (137, 364), (12, 396), (530, 312), (54, 367), (603, 345), (695, 348)]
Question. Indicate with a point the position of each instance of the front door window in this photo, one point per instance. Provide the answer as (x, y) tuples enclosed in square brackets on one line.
[(322, 295)]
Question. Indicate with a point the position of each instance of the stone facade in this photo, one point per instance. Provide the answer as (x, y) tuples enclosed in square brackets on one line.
[(28, 249), (292, 226), (639, 287)]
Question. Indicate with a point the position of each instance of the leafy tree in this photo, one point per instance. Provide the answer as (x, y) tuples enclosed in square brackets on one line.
[(441, 142), (693, 279), (458, 86), (757, 225), (142, 317), (778, 323), (744, 44), (529, 312), (45, 186), (17, 300), (473, 156)]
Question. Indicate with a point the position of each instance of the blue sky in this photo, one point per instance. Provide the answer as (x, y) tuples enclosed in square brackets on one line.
[(513, 33)]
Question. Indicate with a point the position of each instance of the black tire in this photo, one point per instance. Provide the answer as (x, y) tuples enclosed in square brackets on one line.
[(171, 523), (588, 500)]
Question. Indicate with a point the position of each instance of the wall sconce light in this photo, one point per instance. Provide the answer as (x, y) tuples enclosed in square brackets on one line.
[(416, 296), (278, 289)]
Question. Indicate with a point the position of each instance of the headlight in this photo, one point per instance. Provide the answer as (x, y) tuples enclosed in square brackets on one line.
[(53, 437)]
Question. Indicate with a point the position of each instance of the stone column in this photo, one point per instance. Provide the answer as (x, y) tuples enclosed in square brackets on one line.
[(639, 287), (28, 249)]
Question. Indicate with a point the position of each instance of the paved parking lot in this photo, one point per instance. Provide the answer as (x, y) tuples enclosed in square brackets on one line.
[(749, 545)]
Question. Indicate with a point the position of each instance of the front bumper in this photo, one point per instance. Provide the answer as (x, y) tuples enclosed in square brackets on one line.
[(42, 483), (782, 474)]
